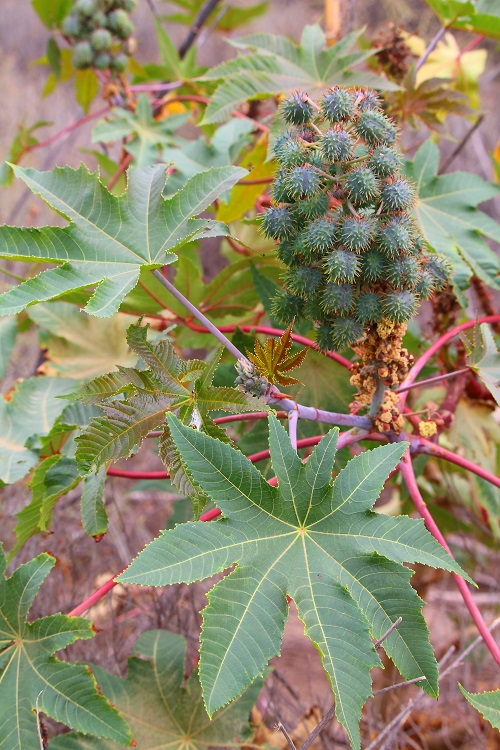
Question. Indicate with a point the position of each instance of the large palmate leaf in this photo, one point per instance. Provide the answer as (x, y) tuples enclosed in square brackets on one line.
[(161, 710), (312, 539), (148, 135), (488, 704), (447, 213), (476, 16), (275, 65), (29, 672), (110, 238), (31, 410), (169, 384)]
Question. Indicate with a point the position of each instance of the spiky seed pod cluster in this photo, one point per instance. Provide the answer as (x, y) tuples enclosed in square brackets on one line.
[(249, 379), (342, 215), (101, 32)]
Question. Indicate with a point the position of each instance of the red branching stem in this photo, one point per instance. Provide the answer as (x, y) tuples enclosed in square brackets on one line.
[(420, 505), (68, 129), (256, 181), (95, 597), (210, 514), (429, 353), (248, 417), (126, 474), (422, 445), (275, 332), (123, 166)]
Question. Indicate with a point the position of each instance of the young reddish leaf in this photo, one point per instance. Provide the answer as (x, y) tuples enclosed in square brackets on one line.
[(274, 359)]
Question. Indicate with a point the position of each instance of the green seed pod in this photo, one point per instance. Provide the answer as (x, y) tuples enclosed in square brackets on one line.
[(373, 265), (399, 306), (100, 39), (402, 272), (368, 308), (362, 186), (83, 54), (287, 254), (440, 269), (385, 162), (286, 307), (99, 20), (119, 62), (310, 208), (324, 338), (319, 237), (397, 236), (368, 100), (337, 298), (342, 266), (278, 223), (289, 151), (313, 310), (85, 8), (304, 281), (356, 234), (119, 22), (297, 110), (338, 105), (397, 195), (129, 5), (345, 331), (72, 26), (102, 61), (337, 145), (425, 285), (279, 190), (375, 128), (302, 182)]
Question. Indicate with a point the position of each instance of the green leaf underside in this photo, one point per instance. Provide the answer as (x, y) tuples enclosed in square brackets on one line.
[(447, 213), (275, 65), (478, 17), (162, 712), (28, 670), (484, 358), (110, 238), (311, 539), (488, 704), (170, 384)]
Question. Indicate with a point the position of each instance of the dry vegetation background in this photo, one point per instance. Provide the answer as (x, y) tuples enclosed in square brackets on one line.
[(297, 691)]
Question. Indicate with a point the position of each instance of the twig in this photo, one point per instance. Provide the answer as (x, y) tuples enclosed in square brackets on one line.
[(68, 129), (431, 47), (422, 445), (280, 728), (393, 627), (317, 730), (122, 167), (460, 145), (204, 14), (417, 499), (435, 379), (399, 685)]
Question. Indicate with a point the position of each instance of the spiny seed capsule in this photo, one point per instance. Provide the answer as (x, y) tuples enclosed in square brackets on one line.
[(297, 109), (440, 269), (304, 281), (399, 306), (313, 207), (367, 99), (287, 254), (71, 26), (302, 182), (289, 152), (85, 8), (102, 61), (402, 272), (385, 162), (319, 236), (278, 223), (100, 39), (337, 145), (342, 266), (313, 309), (397, 195), (287, 307), (375, 128), (356, 234), (119, 62), (324, 338), (425, 285), (345, 331), (368, 308), (396, 236), (362, 186), (373, 266), (119, 22), (338, 105), (279, 190), (82, 55), (337, 298)]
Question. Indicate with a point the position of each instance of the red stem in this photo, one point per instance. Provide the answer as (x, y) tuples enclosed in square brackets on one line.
[(441, 341), (68, 129), (274, 332), (411, 483), (422, 445), (94, 598), (127, 474), (125, 162)]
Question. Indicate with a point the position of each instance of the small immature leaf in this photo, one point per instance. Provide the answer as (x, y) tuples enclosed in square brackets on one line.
[(109, 238), (273, 359), (311, 538), (488, 704), (161, 710), (484, 358), (29, 671)]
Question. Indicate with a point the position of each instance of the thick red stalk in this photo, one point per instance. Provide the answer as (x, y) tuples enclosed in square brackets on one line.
[(420, 505), (275, 332), (422, 445), (127, 474), (68, 129), (95, 597), (436, 346)]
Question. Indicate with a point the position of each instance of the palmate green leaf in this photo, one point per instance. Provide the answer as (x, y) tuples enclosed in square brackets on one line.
[(478, 17), (484, 358), (488, 704), (110, 238), (161, 710), (29, 672), (148, 134), (275, 65), (447, 214), (32, 410), (312, 539), (169, 384)]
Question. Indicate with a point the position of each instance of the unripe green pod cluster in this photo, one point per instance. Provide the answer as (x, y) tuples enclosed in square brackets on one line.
[(101, 32), (342, 216)]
